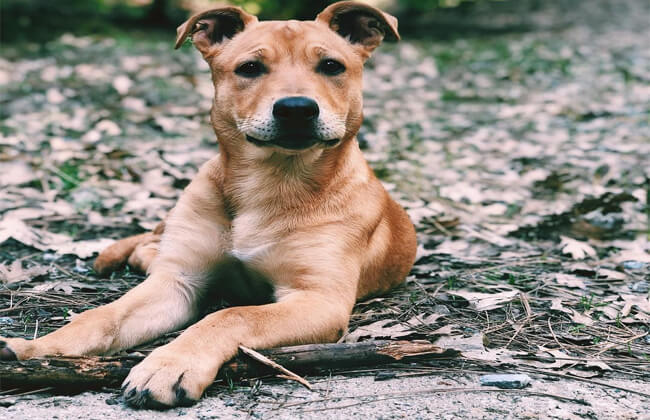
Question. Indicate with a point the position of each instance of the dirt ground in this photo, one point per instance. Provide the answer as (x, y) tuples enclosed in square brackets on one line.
[(523, 159), (443, 396)]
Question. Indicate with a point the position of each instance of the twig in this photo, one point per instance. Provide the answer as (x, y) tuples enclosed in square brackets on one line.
[(428, 391), (36, 391), (287, 374), (553, 334), (578, 378), (519, 328), (611, 346)]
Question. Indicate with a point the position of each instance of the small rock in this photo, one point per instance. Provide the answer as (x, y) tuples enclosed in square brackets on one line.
[(383, 376), (50, 256), (80, 267), (506, 381), (441, 309), (633, 265), (5, 320), (112, 401), (640, 287)]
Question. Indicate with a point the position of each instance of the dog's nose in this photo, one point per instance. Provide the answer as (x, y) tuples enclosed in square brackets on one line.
[(295, 108)]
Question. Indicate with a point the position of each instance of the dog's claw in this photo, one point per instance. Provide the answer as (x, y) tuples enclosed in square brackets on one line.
[(182, 399), (143, 399)]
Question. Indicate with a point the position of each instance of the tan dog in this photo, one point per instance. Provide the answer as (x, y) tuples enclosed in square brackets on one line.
[(288, 216)]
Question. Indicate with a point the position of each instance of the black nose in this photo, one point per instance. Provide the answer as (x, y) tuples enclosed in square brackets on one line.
[(296, 109)]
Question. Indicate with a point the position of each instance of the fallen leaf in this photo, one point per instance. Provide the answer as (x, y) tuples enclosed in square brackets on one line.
[(67, 287), (37, 238), (473, 348), (578, 250), (379, 329), (83, 249), (641, 302), (633, 255), (16, 173), (556, 305), (44, 240), (15, 272), (579, 318), (611, 274), (570, 281), (485, 301)]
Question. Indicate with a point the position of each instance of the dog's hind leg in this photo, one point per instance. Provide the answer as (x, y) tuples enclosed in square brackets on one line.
[(138, 251)]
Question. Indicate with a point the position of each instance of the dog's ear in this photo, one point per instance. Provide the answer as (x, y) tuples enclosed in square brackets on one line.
[(213, 27), (361, 24)]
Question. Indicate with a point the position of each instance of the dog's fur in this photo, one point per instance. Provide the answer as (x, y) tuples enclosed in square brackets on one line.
[(300, 233)]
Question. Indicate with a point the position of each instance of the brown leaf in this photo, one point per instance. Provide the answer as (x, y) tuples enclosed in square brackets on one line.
[(485, 301), (577, 249), (16, 273)]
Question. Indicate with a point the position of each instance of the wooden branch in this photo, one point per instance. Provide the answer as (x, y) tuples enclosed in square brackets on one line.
[(69, 374), (286, 373)]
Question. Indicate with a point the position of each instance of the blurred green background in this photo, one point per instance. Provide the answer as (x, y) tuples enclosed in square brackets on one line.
[(43, 20)]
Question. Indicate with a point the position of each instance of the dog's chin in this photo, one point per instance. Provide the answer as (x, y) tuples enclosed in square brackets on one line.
[(293, 144)]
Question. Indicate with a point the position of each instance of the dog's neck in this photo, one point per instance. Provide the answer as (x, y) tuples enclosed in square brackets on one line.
[(284, 181)]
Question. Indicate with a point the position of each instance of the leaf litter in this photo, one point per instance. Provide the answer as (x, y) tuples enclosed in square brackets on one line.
[(522, 160)]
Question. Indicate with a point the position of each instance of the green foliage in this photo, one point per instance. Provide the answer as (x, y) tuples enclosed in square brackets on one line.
[(287, 9), (43, 20)]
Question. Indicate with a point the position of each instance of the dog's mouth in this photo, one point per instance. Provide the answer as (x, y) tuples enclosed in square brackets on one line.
[(293, 142)]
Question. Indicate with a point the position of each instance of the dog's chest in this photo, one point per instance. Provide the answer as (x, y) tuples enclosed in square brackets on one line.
[(253, 236)]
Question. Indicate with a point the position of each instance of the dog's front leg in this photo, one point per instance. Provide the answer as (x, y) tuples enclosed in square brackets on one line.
[(179, 372), (165, 301), (156, 306)]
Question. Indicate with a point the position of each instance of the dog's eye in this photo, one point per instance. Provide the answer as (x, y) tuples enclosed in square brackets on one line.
[(250, 69), (330, 67)]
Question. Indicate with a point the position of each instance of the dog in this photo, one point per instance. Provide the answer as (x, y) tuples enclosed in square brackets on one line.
[(288, 221)]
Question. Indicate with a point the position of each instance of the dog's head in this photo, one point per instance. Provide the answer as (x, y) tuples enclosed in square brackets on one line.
[(288, 86)]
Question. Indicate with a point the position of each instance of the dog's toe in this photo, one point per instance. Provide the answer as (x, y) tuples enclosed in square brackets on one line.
[(16, 349), (144, 399), (6, 353), (163, 382)]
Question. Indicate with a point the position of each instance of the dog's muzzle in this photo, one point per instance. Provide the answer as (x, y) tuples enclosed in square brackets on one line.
[(296, 120)]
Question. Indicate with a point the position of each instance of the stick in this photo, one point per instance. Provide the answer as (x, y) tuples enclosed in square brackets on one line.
[(72, 374), (287, 374)]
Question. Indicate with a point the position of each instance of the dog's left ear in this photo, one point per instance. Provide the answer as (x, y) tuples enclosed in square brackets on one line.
[(213, 27), (361, 24)]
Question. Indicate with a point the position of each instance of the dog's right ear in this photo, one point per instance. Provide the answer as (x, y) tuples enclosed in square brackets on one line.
[(213, 27)]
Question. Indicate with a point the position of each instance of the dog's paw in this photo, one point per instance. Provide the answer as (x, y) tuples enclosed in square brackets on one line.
[(163, 380), (15, 349)]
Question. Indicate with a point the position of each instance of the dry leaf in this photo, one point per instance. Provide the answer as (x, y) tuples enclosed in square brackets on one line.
[(473, 348), (570, 281), (641, 302), (633, 255), (379, 329), (611, 274), (16, 273), (83, 249), (556, 305), (66, 287), (578, 250), (44, 240), (37, 238), (579, 318), (15, 173), (485, 301)]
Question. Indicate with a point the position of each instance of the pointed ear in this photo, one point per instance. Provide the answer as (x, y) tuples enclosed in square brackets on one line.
[(360, 24), (213, 27)]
